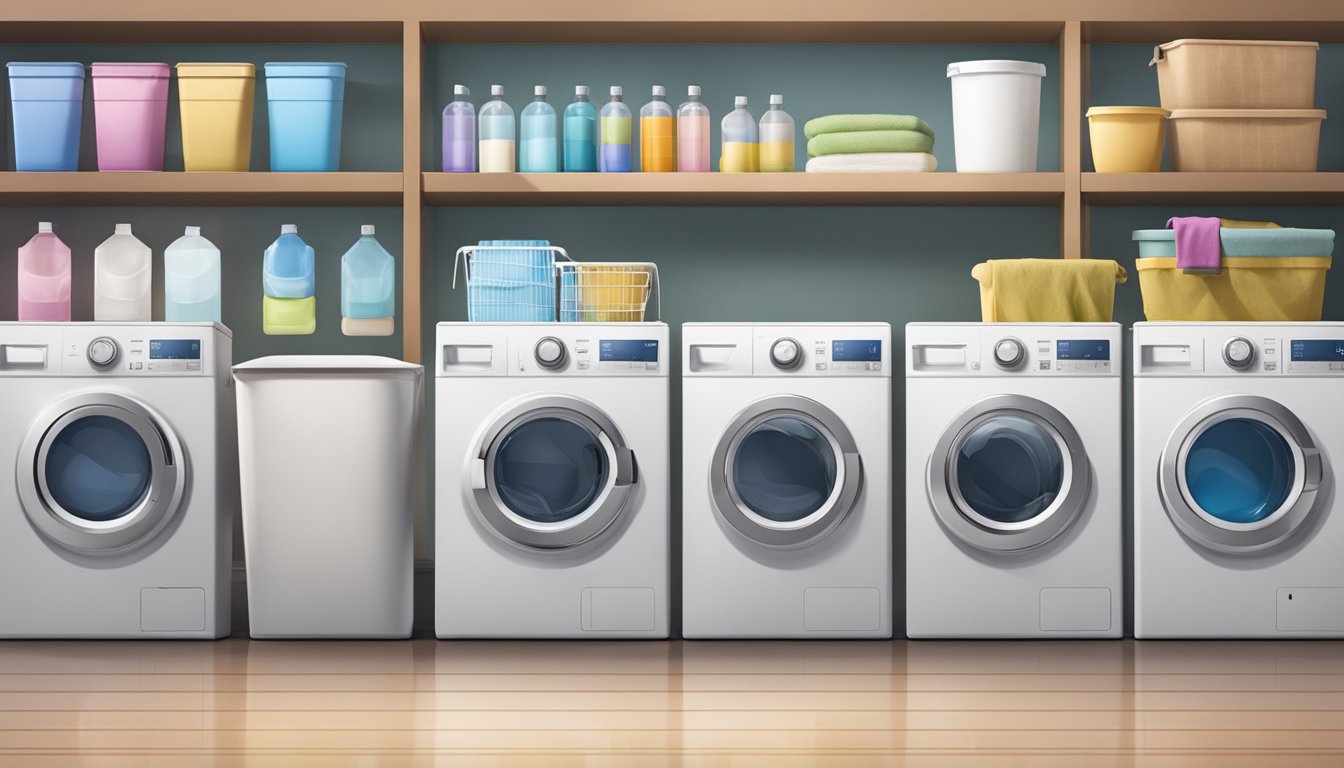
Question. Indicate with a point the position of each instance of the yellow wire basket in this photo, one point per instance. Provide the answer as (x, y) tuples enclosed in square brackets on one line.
[(607, 292)]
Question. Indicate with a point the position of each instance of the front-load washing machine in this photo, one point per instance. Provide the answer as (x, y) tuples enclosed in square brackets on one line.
[(119, 443), (1238, 445), (1013, 480), (786, 478), (551, 489)]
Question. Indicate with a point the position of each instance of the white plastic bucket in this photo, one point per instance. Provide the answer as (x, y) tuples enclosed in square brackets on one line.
[(996, 114)]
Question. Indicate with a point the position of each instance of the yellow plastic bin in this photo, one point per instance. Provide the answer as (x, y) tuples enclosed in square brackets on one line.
[(1127, 139), (216, 102), (1048, 290)]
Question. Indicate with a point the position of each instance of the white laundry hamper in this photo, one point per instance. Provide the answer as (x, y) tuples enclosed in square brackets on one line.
[(996, 115)]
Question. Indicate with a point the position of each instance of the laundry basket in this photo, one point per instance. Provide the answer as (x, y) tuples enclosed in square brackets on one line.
[(1048, 290), (510, 281), (606, 292)]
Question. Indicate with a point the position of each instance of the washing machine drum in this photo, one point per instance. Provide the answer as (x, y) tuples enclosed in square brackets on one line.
[(100, 474), (1241, 474), (551, 473), (1009, 473)]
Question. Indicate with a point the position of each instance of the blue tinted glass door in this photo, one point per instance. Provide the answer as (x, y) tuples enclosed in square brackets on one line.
[(550, 469), (1009, 468), (1239, 470), (98, 469), (784, 469)]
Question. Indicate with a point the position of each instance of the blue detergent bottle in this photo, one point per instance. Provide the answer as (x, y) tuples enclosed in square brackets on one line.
[(368, 288), (580, 133), (538, 151), (289, 285)]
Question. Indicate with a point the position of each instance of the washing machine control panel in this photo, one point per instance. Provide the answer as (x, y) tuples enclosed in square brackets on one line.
[(807, 352), (107, 351), (1003, 349), (1249, 350)]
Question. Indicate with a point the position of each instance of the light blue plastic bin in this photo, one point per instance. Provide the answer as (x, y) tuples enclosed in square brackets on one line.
[(304, 102), (48, 103)]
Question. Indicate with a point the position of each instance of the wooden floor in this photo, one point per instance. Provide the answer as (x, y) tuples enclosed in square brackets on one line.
[(740, 704)]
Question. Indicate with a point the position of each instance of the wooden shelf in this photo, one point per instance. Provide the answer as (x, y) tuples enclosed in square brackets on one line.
[(90, 188), (728, 31), (743, 189), (1213, 188)]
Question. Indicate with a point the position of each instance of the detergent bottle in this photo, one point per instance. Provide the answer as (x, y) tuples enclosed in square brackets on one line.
[(289, 286), (191, 280), (740, 151), (615, 127), (580, 133), (122, 275), (44, 277), (657, 134), (459, 133), (538, 151), (368, 288), (693, 133), (497, 134), (777, 134)]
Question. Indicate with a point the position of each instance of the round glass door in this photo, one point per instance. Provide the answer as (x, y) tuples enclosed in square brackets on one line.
[(1240, 473), (104, 474), (785, 472), (552, 472), (1009, 473)]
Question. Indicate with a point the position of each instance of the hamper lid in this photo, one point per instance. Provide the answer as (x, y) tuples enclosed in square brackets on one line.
[(334, 69), (996, 66), (1095, 111), (45, 69), (215, 69), (130, 69)]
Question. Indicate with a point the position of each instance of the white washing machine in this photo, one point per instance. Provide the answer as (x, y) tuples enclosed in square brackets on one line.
[(1238, 448), (117, 519), (551, 490), (1013, 480), (786, 477)]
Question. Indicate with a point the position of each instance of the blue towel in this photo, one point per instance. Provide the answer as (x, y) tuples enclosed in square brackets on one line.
[(512, 284), (1278, 242)]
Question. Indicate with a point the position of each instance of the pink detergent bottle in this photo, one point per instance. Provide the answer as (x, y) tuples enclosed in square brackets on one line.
[(44, 277)]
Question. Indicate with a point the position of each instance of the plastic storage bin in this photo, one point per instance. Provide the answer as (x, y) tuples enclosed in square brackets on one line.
[(510, 280), (1228, 74), (1282, 288), (996, 115), (44, 277), (1245, 139), (216, 104), (1048, 290), (304, 101), (48, 103), (1127, 139), (130, 108), (329, 461)]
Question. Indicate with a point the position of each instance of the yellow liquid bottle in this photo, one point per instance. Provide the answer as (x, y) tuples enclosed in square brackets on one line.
[(657, 134), (777, 134), (740, 149)]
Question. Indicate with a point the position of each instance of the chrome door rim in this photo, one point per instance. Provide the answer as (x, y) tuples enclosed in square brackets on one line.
[(583, 527), (151, 514), (798, 533), (975, 529), (1228, 537)]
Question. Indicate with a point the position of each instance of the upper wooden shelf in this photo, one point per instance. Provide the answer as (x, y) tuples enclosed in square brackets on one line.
[(743, 188), (727, 31), (1213, 188), (91, 188)]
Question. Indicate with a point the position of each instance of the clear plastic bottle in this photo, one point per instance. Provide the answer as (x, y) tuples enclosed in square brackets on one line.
[(289, 285), (368, 288), (497, 134), (693, 133), (44, 277), (580, 133), (740, 140), (459, 133), (615, 121), (538, 151), (191, 280), (657, 134), (777, 135), (123, 271)]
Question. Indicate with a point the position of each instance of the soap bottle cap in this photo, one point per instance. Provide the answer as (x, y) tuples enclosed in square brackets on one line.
[(740, 102), (776, 98), (693, 90), (461, 90), (289, 229), (44, 226), (366, 230), (538, 90), (616, 91), (659, 91), (123, 229), (580, 90), (192, 232), (496, 90)]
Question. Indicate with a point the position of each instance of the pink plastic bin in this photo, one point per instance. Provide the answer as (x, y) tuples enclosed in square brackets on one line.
[(130, 105)]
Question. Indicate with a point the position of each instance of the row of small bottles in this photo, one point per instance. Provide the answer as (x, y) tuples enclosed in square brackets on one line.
[(669, 140), (123, 278)]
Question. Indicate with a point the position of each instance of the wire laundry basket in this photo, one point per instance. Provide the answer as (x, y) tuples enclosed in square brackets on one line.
[(510, 282), (607, 292)]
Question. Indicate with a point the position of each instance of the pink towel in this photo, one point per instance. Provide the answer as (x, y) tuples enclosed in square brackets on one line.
[(1199, 244)]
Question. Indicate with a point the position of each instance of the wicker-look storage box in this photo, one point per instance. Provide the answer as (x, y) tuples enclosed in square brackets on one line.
[(1236, 74), (1244, 139)]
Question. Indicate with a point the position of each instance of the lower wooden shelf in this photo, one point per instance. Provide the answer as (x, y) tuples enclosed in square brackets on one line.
[(743, 189), (1213, 188), (176, 188)]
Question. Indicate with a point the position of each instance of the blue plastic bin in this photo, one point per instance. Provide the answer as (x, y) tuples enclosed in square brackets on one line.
[(304, 102), (48, 102)]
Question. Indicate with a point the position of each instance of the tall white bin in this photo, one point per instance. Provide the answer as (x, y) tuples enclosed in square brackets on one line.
[(328, 448), (996, 115)]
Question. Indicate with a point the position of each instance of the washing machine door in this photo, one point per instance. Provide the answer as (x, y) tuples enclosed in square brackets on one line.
[(1008, 474), (100, 474), (1241, 474), (786, 472), (552, 472)]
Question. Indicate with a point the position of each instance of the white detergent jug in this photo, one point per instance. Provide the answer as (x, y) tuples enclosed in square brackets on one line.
[(122, 273)]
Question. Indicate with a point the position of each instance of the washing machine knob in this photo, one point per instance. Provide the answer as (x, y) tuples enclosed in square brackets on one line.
[(1009, 353), (550, 353), (103, 352), (786, 354), (1239, 352)]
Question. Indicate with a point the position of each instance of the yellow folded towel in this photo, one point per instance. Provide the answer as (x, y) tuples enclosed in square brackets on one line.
[(1048, 290)]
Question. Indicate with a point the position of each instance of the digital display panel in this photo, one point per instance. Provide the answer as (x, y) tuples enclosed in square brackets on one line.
[(174, 349), (1083, 349), (856, 351), (628, 351), (1317, 351)]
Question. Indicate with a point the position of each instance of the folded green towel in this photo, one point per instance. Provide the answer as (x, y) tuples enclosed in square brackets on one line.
[(850, 123), (869, 141)]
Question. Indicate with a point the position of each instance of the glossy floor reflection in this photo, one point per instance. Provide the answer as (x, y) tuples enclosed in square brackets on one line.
[(508, 704)]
